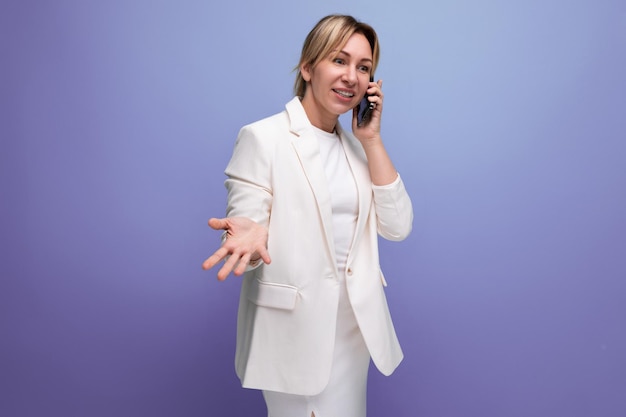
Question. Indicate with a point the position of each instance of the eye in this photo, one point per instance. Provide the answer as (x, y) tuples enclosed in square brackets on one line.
[(339, 61), (364, 68)]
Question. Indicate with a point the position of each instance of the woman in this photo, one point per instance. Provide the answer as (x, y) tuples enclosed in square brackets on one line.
[(315, 197)]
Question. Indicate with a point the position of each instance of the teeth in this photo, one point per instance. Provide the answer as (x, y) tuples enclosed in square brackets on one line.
[(344, 93)]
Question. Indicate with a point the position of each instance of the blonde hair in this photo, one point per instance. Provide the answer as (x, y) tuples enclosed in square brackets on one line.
[(332, 33)]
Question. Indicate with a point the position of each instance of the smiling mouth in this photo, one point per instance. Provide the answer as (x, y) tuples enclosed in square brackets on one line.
[(345, 94)]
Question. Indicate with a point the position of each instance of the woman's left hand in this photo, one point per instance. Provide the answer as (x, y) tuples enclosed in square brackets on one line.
[(371, 129)]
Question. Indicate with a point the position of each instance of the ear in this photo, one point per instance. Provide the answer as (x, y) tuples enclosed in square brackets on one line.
[(305, 70)]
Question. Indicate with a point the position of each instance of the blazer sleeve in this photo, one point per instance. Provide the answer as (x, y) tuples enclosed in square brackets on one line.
[(249, 182), (394, 211)]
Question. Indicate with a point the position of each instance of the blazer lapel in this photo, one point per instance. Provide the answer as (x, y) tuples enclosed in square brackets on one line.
[(306, 146)]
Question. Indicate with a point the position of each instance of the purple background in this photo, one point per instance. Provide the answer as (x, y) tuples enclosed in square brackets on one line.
[(506, 120)]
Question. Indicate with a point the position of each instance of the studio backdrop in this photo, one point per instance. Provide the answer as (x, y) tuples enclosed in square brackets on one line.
[(506, 120)]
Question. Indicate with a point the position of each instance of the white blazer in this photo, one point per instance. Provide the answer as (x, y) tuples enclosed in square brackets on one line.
[(287, 310)]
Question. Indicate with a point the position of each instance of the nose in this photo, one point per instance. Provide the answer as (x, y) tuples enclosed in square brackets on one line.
[(349, 75)]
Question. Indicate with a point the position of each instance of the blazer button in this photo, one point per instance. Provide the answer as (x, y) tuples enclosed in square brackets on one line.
[(349, 271)]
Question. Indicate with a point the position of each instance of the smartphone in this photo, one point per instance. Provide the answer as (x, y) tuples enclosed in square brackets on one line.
[(364, 110)]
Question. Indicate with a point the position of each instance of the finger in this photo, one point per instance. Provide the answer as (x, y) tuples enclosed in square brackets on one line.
[(228, 267), (218, 224), (264, 254), (376, 99), (223, 272), (214, 259), (243, 263)]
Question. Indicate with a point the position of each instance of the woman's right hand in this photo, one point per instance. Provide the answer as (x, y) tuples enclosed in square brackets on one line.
[(246, 241)]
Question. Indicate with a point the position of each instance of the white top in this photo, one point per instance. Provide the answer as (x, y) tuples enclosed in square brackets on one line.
[(343, 193)]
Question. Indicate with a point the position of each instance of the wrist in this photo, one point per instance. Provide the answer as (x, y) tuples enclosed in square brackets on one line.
[(372, 144)]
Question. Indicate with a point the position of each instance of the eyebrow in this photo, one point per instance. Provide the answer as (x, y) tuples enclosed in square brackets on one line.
[(346, 53)]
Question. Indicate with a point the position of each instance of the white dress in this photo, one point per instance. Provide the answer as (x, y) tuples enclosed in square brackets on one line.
[(344, 396)]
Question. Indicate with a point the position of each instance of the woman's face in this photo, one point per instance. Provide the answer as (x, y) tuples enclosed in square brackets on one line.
[(338, 83)]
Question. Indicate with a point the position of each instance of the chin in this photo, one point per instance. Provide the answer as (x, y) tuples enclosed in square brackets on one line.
[(344, 109)]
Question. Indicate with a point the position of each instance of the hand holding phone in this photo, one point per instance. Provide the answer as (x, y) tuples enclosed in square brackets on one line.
[(364, 109)]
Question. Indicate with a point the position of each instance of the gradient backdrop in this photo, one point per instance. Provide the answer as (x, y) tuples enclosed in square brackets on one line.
[(507, 121)]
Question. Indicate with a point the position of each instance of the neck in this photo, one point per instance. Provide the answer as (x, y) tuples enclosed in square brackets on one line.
[(317, 116)]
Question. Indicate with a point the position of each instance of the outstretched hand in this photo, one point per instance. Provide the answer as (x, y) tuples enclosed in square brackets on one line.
[(246, 241)]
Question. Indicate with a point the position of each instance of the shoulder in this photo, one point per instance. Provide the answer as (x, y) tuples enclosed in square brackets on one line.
[(278, 127), (267, 131), (276, 122), (284, 120)]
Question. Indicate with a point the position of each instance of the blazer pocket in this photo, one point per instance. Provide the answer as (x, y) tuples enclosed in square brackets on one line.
[(270, 294)]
